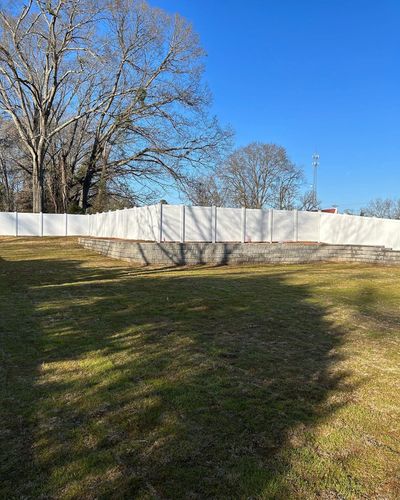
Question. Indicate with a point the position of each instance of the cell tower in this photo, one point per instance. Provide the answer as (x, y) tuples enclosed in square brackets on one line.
[(315, 164)]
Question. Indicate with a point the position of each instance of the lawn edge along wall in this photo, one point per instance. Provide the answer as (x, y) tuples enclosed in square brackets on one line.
[(171, 253)]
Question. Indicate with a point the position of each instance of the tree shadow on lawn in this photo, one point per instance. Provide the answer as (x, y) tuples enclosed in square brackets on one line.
[(179, 384)]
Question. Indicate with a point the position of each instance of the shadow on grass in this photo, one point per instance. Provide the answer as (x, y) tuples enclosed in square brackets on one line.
[(122, 383), (370, 302)]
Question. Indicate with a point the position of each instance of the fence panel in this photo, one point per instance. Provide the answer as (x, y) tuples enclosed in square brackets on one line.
[(171, 223), (8, 223), (131, 224), (29, 224), (106, 224), (257, 225), (346, 229), (78, 225), (143, 223), (198, 224), (389, 233), (362, 230), (283, 225), (119, 221), (54, 225), (332, 229), (308, 226), (152, 217), (229, 224)]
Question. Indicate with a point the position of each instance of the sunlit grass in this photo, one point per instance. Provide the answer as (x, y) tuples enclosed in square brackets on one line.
[(228, 382)]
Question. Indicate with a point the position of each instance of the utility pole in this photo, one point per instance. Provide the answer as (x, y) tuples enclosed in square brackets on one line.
[(315, 164)]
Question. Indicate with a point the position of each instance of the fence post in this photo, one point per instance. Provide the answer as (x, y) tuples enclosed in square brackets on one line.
[(41, 224), (213, 224), (16, 223), (243, 224), (66, 224), (125, 222), (295, 225), (271, 224), (183, 223), (160, 232)]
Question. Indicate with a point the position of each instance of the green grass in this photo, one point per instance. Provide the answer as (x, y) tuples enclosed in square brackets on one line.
[(228, 382)]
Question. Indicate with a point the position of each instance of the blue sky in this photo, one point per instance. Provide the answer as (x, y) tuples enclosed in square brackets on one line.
[(309, 75)]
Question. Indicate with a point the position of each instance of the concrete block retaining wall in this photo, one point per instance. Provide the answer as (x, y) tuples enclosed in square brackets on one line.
[(237, 253)]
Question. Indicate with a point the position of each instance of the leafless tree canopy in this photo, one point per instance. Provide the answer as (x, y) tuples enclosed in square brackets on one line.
[(205, 190), (106, 97), (255, 176), (308, 202), (385, 208), (258, 175)]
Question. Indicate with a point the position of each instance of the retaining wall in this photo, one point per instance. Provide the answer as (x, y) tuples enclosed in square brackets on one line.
[(237, 253)]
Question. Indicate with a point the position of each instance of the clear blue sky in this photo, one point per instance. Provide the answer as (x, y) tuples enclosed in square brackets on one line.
[(309, 74)]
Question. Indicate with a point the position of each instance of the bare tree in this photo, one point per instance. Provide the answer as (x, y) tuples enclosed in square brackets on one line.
[(155, 127), (100, 90), (205, 191), (308, 202), (287, 185), (40, 66), (386, 208), (260, 175), (11, 160)]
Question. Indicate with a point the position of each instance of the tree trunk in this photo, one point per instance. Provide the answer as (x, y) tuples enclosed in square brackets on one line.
[(87, 181), (64, 187), (86, 185), (37, 186), (7, 204)]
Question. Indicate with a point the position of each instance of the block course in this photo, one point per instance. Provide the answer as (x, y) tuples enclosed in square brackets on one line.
[(171, 253)]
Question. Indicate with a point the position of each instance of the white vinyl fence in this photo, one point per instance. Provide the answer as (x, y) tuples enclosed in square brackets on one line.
[(28, 224), (186, 223)]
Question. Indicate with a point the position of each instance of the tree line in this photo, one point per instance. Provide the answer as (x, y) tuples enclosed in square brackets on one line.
[(100, 100), (103, 105), (386, 208)]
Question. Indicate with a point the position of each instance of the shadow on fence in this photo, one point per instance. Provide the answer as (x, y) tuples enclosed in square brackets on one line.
[(120, 382)]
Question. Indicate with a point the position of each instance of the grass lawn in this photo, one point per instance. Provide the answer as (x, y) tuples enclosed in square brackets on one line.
[(229, 382)]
